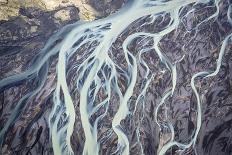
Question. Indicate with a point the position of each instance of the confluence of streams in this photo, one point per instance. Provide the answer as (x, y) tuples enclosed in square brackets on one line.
[(105, 32)]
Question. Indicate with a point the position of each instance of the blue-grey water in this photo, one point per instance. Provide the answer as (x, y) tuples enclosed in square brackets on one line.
[(152, 78)]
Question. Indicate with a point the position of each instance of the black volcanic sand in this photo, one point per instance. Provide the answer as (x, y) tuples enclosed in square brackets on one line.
[(23, 37)]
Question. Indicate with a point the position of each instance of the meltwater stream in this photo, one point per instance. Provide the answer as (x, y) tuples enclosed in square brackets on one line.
[(86, 60)]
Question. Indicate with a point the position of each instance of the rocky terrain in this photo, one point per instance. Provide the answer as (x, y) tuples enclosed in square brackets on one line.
[(26, 28)]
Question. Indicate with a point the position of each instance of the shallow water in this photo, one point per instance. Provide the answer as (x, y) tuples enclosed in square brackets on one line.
[(152, 78)]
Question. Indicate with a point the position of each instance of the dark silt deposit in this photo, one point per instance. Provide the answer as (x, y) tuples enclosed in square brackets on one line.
[(143, 77)]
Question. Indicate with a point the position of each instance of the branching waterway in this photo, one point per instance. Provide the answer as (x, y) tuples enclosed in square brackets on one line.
[(103, 70)]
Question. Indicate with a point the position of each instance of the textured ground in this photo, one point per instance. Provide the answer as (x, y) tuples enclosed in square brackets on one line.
[(24, 33)]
